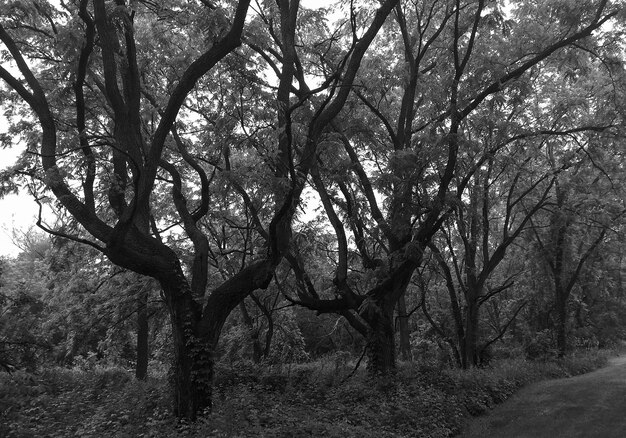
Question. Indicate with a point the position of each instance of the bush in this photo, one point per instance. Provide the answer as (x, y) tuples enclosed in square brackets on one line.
[(583, 361), (541, 346)]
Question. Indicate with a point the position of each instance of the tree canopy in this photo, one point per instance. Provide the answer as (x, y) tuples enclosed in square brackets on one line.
[(433, 142)]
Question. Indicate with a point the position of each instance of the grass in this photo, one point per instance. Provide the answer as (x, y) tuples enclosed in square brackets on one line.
[(313, 399)]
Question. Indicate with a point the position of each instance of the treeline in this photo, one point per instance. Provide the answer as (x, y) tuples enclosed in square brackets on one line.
[(433, 179)]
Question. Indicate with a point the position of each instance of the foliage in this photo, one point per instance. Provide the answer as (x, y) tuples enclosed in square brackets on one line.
[(312, 399), (465, 158), (54, 310)]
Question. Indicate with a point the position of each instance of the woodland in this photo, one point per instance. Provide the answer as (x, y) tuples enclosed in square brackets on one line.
[(267, 218)]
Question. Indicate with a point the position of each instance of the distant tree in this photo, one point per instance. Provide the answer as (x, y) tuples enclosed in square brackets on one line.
[(56, 309), (574, 228), (474, 247), (515, 183), (23, 285)]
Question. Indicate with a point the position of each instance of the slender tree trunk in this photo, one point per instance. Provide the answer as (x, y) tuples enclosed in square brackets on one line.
[(403, 329), (561, 323), (143, 353), (269, 333), (257, 350), (455, 352), (560, 224)]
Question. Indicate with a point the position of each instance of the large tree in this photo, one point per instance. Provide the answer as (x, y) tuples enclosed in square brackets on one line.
[(108, 126), (398, 145)]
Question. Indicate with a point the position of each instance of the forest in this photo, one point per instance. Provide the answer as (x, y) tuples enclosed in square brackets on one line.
[(267, 218)]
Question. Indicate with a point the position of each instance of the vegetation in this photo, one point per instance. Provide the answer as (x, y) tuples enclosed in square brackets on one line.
[(315, 399), (245, 201)]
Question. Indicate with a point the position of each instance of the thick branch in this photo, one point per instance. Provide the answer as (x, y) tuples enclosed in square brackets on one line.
[(188, 81)]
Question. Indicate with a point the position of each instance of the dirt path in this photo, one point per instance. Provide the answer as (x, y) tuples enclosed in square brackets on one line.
[(589, 406)]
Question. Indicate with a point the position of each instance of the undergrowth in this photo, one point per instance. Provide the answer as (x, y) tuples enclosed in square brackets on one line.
[(314, 399)]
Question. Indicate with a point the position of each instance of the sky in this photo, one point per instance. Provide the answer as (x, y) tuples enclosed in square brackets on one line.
[(16, 211)]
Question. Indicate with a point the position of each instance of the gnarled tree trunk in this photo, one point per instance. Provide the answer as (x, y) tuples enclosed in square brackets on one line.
[(257, 350), (196, 331), (381, 351), (192, 368), (377, 311)]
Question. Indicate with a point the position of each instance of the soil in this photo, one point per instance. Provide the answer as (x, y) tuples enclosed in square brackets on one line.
[(588, 406)]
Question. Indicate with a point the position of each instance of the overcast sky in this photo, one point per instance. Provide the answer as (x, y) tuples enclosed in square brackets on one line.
[(16, 211)]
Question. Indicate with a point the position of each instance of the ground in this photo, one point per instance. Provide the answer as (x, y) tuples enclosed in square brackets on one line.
[(591, 406)]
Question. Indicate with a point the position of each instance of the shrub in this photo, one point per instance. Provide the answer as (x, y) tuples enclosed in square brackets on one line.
[(541, 346)]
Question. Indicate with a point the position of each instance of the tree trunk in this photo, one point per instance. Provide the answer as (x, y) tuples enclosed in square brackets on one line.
[(469, 348), (403, 329), (269, 333), (257, 350), (141, 367), (192, 376), (381, 351), (377, 311), (561, 323), (192, 369)]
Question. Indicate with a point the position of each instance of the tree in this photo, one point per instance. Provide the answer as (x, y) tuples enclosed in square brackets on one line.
[(585, 205), (110, 123), (577, 224), (514, 183), (474, 250), (401, 137)]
